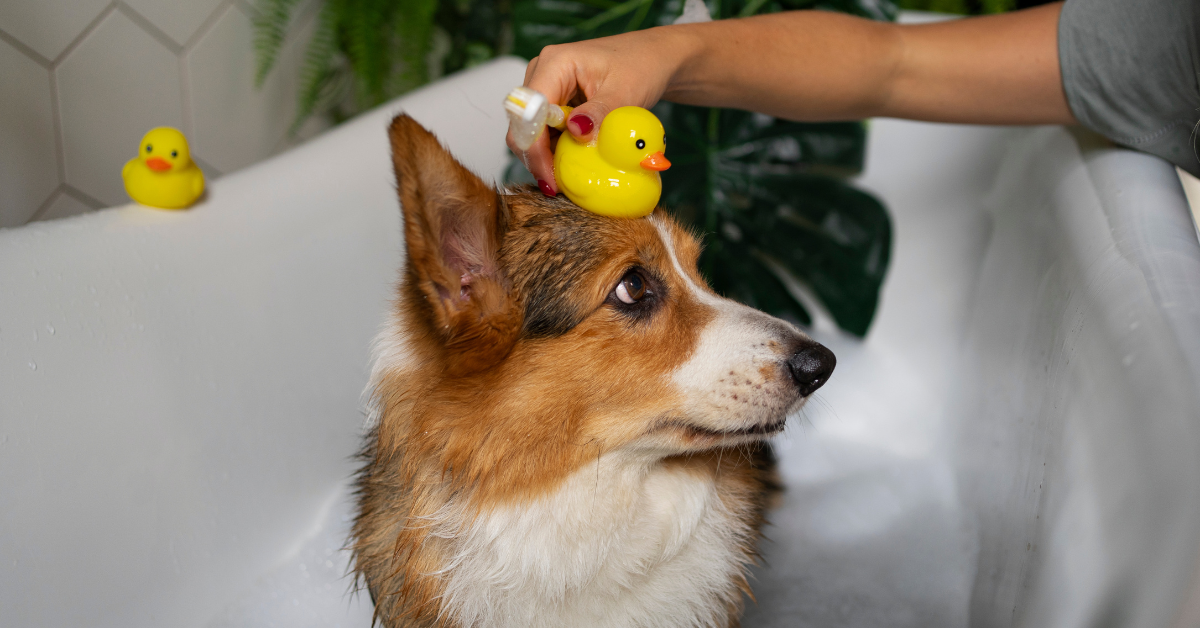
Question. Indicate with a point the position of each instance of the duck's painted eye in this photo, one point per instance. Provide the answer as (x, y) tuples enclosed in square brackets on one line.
[(641, 144), (632, 288), (174, 154), (149, 147)]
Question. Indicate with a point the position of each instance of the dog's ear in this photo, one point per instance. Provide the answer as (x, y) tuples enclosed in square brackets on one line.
[(454, 224)]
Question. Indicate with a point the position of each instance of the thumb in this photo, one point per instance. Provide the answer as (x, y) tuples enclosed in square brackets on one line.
[(584, 120)]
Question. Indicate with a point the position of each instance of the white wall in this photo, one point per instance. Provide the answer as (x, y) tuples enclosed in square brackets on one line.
[(82, 80)]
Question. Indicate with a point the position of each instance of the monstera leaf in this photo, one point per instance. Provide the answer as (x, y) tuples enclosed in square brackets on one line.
[(769, 196), (763, 192)]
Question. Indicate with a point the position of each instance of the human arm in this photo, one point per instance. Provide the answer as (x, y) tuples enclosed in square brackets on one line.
[(815, 65)]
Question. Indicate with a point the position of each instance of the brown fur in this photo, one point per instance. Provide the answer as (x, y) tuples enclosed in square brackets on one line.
[(520, 373)]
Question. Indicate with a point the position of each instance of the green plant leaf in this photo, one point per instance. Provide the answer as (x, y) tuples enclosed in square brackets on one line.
[(479, 30), (757, 188), (963, 7), (767, 194), (318, 73), (541, 23), (270, 28), (413, 34)]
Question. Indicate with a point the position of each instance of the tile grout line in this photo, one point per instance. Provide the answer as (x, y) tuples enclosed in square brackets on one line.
[(185, 96), (211, 172), (60, 148), (60, 142), (87, 30), (25, 50), (150, 28), (185, 75), (83, 197), (45, 206), (207, 25)]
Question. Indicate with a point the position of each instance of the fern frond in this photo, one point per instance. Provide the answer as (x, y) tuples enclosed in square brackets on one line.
[(270, 27), (365, 46), (414, 34), (318, 63)]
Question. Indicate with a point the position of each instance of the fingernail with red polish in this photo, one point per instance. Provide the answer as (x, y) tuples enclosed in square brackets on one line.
[(546, 189), (584, 123)]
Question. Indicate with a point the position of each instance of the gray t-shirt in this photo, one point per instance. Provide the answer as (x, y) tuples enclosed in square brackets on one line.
[(1131, 71)]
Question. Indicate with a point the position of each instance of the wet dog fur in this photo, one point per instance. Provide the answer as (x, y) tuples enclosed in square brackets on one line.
[(546, 449)]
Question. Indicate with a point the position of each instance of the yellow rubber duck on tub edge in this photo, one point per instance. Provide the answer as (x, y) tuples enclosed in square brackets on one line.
[(163, 174), (615, 174)]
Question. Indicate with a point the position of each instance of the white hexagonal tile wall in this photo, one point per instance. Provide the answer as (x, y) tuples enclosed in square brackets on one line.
[(28, 161), (48, 26), (235, 123), (179, 20), (116, 85)]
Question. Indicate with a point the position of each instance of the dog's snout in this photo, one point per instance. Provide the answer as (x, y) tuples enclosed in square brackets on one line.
[(811, 367)]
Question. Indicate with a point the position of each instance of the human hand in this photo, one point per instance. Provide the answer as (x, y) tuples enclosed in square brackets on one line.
[(597, 76)]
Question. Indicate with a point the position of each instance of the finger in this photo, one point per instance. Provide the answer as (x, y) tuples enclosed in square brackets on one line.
[(586, 118), (540, 162), (514, 149), (561, 85), (530, 69), (553, 74)]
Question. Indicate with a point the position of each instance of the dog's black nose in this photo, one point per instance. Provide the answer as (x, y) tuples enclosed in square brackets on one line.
[(811, 367)]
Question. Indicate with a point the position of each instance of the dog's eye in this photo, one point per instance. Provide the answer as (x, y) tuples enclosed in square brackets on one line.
[(632, 288)]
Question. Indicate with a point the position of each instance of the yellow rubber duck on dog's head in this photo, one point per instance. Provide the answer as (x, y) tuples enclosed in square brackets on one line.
[(163, 174), (615, 174)]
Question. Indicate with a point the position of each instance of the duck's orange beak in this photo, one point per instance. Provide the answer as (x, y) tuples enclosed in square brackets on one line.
[(657, 162), (158, 164)]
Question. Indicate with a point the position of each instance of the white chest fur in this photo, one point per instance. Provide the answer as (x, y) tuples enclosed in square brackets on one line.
[(621, 543)]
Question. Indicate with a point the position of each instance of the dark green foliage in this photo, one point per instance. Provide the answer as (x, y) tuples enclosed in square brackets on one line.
[(761, 190), (961, 7), (539, 23), (477, 30), (769, 195), (365, 52)]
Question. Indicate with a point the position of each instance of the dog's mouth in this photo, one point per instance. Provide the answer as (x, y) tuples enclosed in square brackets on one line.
[(694, 431)]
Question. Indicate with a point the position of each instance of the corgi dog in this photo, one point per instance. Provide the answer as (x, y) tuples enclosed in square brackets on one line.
[(568, 426)]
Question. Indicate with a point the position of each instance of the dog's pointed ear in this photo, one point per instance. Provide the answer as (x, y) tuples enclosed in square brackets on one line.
[(454, 225)]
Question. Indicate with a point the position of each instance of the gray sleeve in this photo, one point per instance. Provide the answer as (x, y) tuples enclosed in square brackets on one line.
[(1130, 72)]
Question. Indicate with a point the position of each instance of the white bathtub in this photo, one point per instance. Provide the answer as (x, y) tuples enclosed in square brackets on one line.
[(1015, 444)]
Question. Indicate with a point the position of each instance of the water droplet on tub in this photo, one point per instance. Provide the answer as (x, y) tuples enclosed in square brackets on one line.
[(50, 328), (35, 336), (32, 365), (92, 289), (1127, 360), (1133, 325)]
